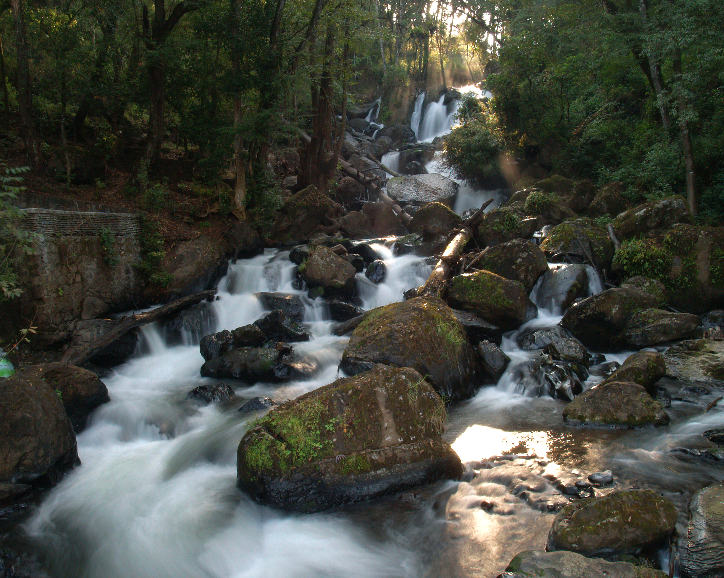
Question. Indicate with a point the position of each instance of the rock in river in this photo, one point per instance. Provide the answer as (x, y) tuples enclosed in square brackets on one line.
[(571, 565), (703, 554), (355, 439)]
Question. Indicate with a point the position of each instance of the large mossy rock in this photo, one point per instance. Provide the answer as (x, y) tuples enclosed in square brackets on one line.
[(434, 219), (355, 439), (37, 443), (534, 564), (689, 260), (615, 404), (610, 200), (302, 215), (643, 367), (517, 260), (421, 333), (495, 299), (703, 553), (328, 270), (582, 238), (501, 225), (422, 189), (251, 364), (623, 522), (651, 326), (699, 361), (659, 214), (599, 321), (80, 390)]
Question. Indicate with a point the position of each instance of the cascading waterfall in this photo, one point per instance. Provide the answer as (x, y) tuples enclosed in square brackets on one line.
[(437, 120), (417, 114), (391, 160), (374, 111)]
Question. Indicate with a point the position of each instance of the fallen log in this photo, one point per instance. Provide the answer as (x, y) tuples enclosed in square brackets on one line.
[(79, 357), (437, 281)]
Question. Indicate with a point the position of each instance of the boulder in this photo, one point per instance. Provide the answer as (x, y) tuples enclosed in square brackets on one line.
[(541, 376), (699, 361), (194, 266), (541, 337), (493, 359), (659, 214), (422, 189), (498, 300), (615, 404), (242, 240), (397, 133), (350, 194), (355, 439), (385, 223), (561, 286), (211, 393), (575, 196), (702, 555), (434, 219), (37, 443), (196, 321), (421, 333), (80, 390), (217, 344), (291, 305), (366, 166), (651, 326), (568, 349), (302, 215), (380, 146), (572, 565), (517, 260), (501, 225), (609, 201), (643, 367), (580, 239), (356, 225), (88, 332), (624, 522), (251, 365), (548, 207), (599, 321), (329, 271), (257, 404), (358, 124), (365, 251), (278, 326), (478, 329), (342, 311), (376, 271)]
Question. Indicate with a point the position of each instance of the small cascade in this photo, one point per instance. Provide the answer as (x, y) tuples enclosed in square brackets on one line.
[(392, 161), (417, 114), (374, 111), (437, 120)]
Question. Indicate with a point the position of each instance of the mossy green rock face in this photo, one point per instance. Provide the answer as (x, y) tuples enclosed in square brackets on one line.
[(615, 404), (700, 361), (580, 237), (660, 214), (609, 200), (643, 367), (516, 260), (703, 554), (328, 270), (576, 195), (421, 333), (651, 326), (500, 225), (621, 523), (355, 439), (434, 219), (532, 564), (497, 300), (599, 321), (301, 215)]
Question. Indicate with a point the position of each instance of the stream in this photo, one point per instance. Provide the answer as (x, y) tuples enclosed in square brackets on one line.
[(156, 494)]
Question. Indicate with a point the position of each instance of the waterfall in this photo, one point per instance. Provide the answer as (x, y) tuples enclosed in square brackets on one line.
[(417, 114), (374, 111), (391, 160), (437, 121)]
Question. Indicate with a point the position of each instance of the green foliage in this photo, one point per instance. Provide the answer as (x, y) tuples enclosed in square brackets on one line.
[(155, 198), (508, 221), (711, 204), (643, 257), (13, 239), (264, 197), (474, 148), (152, 253), (108, 239), (538, 202)]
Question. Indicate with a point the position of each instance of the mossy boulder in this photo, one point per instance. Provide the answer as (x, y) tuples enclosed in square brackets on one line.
[(434, 219), (533, 564), (517, 260), (623, 522), (659, 214), (615, 404), (421, 333), (644, 368), (494, 298), (302, 215), (383, 220), (599, 321), (562, 285), (699, 361), (548, 206), (501, 225), (422, 189), (610, 200), (581, 238), (651, 326), (703, 553), (688, 260), (355, 439), (37, 443), (329, 271), (252, 364)]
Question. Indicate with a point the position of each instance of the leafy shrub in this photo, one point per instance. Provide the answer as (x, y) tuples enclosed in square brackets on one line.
[(13, 239)]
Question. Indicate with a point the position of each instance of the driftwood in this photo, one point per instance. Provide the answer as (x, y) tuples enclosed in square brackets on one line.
[(75, 357), (612, 235), (437, 281), (384, 167), (348, 326)]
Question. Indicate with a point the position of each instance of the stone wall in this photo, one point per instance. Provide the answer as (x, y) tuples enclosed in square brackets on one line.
[(83, 268)]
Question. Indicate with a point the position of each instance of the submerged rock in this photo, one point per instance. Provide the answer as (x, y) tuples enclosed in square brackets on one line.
[(703, 553), (531, 564), (624, 522), (355, 439), (421, 333)]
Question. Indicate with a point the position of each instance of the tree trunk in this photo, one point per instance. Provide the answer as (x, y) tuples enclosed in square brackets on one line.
[(6, 97), (655, 67), (682, 105), (239, 201), (25, 94)]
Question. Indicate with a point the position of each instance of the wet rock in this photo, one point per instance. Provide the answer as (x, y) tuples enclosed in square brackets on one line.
[(478, 329), (659, 214), (302, 215), (615, 404), (715, 436), (715, 455), (493, 360), (564, 380), (691, 393), (292, 305), (356, 261), (299, 254), (385, 222), (342, 311), (651, 326), (624, 522), (80, 390), (257, 404), (572, 565), (88, 332), (568, 349), (713, 325), (699, 361), (496, 299), (599, 321), (366, 252), (37, 443), (423, 189), (376, 271), (601, 478), (643, 367), (278, 326), (217, 344), (398, 133), (355, 439), (242, 241), (517, 260), (501, 225), (329, 271), (434, 219), (561, 286), (421, 333), (703, 553), (249, 364), (356, 225), (540, 338), (211, 393), (581, 238)]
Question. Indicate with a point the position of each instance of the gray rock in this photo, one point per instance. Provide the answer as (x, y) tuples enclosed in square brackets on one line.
[(699, 361), (211, 393), (568, 349), (643, 367), (532, 564), (257, 404), (330, 271), (422, 189), (540, 338), (292, 305), (659, 214), (376, 271), (478, 329), (561, 286), (703, 553), (651, 326), (601, 478), (493, 359), (278, 326)]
